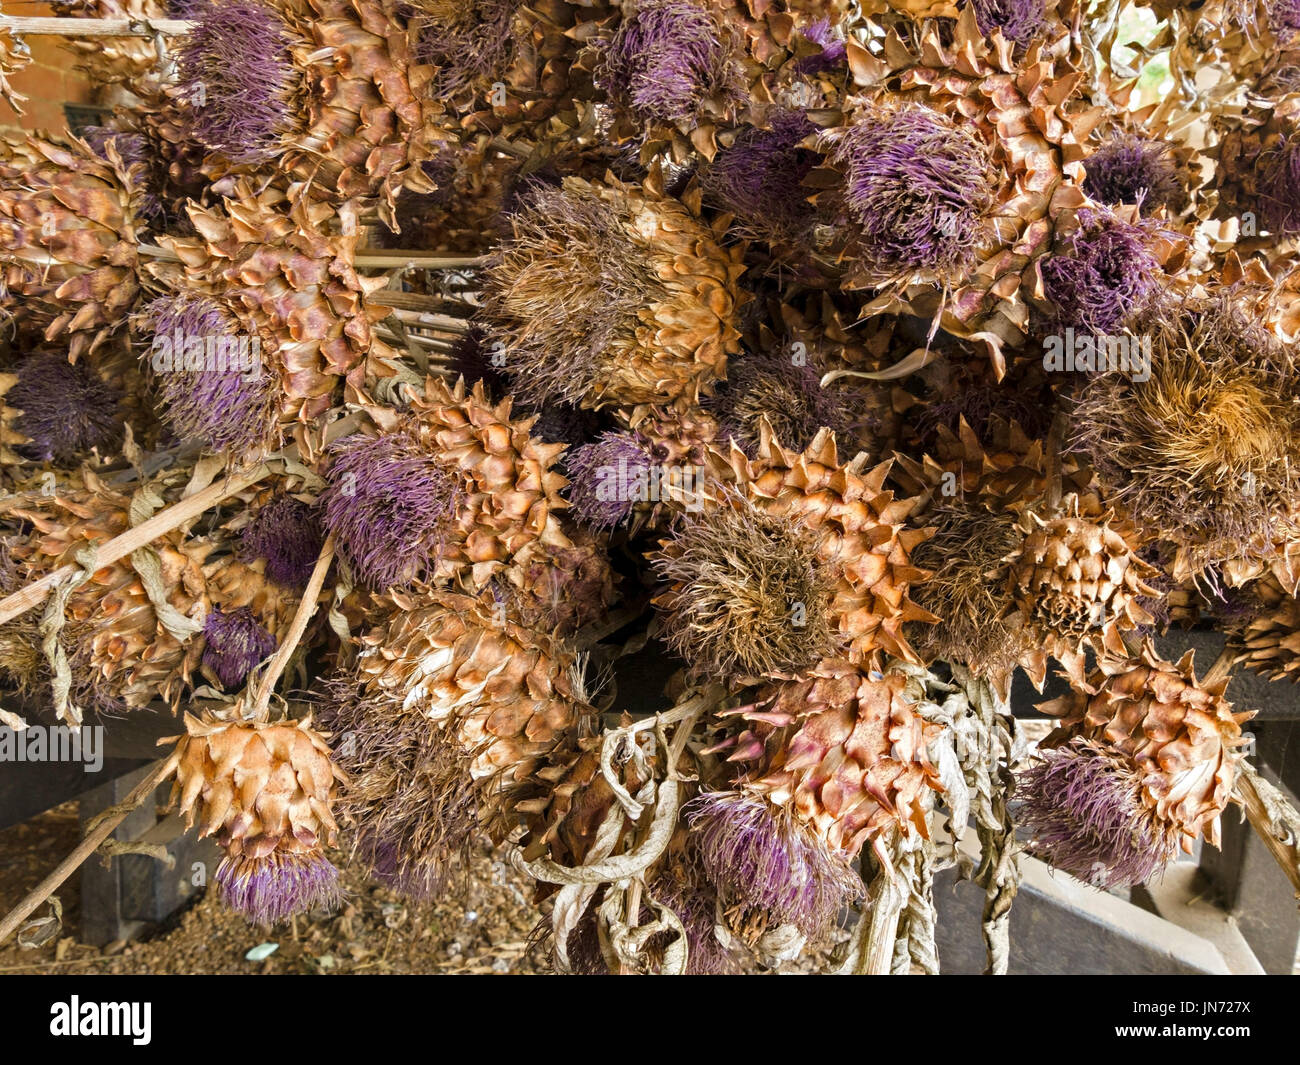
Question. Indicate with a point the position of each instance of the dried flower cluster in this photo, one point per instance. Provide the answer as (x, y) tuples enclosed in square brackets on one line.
[(652, 436)]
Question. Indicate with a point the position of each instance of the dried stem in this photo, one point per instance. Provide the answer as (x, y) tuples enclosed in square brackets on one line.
[(1274, 818), (160, 524), (94, 27), (365, 258), (98, 833), (306, 610)]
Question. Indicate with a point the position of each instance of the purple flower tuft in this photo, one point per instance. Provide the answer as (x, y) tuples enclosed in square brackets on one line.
[(1284, 19), (236, 72), (235, 643), (834, 50), (67, 409), (761, 858), (286, 533), (759, 177), (469, 46), (1084, 813), (1132, 169), (390, 505), (1019, 20), (1279, 188), (770, 384), (275, 888), (604, 478), (1103, 273), (917, 186), (215, 388), (665, 60)]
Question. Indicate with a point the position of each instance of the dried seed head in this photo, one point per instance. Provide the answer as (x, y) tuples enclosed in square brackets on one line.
[(274, 888), (390, 505), (608, 478), (1102, 273), (749, 595), (1208, 449), (771, 386), (286, 533), (1082, 806), (235, 642), (768, 868), (66, 409), (1019, 20), (666, 59), (759, 177), (467, 44), (1130, 169), (1279, 187), (236, 70), (215, 389), (917, 187)]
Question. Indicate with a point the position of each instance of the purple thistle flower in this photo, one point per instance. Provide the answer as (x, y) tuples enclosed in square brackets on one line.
[(834, 50), (1084, 813), (1279, 188), (286, 533), (275, 888), (917, 186), (236, 71), (1284, 19), (769, 384), (235, 643), (603, 478), (762, 858), (1132, 169), (1019, 20), (665, 60), (759, 177), (1103, 273), (390, 506), (215, 388), (67, 409)]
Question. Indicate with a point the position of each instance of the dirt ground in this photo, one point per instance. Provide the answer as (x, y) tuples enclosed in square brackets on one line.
[(481, 927), (484, 928)]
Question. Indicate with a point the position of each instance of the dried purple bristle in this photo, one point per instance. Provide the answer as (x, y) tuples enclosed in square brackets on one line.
[(275, 888), (214, 386), (980, 405), (1019, 20), (236, 72), (467, 49), (235, 643), (789, 394), (917, 186), (1103, 273), (1132, 169), (1279, 188), (1284, 19), (390, 505), (603, 478), (759, 177), (1084, 814), (67, 409), (834, 50), (286, 533), (665, 60), (760, 857)]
